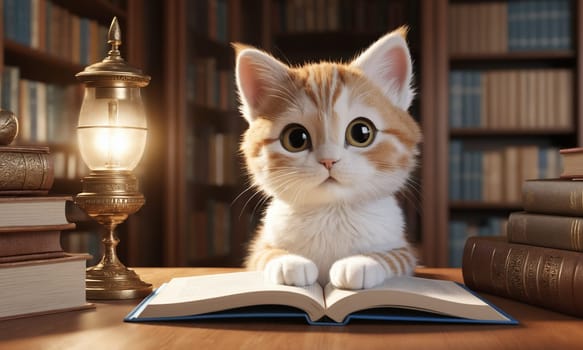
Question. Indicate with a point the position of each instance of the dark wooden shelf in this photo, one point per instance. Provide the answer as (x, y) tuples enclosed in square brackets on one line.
[(206, 47), (221, 120), (514, 60), (483, 206), (101, 10), (40, 66), (325, 45), (222, 193), (520, 56), (485, 132), (297, 48)]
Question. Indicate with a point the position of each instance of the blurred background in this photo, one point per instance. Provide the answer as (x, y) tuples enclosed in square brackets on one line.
[(498, 93)]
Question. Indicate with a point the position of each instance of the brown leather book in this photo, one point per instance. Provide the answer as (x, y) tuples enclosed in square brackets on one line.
[(25, 170), (551, 231), (572, 167), (546, 277), (553, 196), (32, 244)]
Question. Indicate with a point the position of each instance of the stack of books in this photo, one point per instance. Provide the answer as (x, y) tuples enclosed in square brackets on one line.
[(36, 275), (540, 261)]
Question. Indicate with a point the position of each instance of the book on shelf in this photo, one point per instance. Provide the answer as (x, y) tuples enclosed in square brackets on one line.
[(545, 277), (38, 287), (461, 229), (553, 196), (32, 243), (48, 27), (495, 174), (535, 99), (572, 163), (507, 26), (25, 170), (551, 231), (45, 111), (22, 213), (249, 295)]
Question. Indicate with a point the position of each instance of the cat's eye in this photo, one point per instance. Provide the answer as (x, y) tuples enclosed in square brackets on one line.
[(295, 138), (360, 132)]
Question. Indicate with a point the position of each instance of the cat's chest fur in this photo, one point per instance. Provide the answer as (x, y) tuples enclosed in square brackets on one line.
[(327, 233)]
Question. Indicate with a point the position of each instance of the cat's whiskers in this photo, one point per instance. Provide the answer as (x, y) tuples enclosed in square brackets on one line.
[(257, 192), (415, 197), (290, 184), (249, 188)]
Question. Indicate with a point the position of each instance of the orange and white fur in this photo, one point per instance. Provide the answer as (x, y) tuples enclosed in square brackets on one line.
[(331, 144)]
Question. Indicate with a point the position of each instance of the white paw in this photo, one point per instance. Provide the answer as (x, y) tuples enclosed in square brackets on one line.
[(293, 270), (357, 272)]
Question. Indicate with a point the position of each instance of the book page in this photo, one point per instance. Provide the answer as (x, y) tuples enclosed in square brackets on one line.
[(195, 295), (442, 297)]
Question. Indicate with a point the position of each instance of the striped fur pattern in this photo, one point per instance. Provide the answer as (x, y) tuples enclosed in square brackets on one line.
[(330, 144)]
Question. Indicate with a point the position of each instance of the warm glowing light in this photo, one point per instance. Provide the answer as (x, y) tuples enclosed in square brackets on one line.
[(112, 129)]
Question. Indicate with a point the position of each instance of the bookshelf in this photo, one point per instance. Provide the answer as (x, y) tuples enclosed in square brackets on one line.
[(205, 223), (45, 43), (516, 99)]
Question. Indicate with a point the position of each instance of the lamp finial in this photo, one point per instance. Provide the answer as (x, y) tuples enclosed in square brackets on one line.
[(114, 37)]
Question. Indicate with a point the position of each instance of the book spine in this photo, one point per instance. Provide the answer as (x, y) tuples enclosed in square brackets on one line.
[(17, 246), (545, 277), (553, 197), (551, 231), (25, 171)]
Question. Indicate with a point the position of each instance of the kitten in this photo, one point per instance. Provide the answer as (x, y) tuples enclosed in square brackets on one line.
[(331, 144)]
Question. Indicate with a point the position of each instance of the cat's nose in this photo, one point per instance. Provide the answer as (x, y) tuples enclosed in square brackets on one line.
[(328, 163)]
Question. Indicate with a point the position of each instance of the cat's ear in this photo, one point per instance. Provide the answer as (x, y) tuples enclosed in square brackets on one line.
[(387, 63), (258, 74)]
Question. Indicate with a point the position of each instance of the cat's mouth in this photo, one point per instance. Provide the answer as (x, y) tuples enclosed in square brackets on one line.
[(330, 180)]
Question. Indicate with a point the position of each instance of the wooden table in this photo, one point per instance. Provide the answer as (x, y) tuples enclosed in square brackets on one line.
[(103, 328)]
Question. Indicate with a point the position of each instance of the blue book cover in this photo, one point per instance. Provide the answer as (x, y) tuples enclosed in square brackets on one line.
[(248, 295), (84, 41), (512, 23), (466, 95), (531, 22), (516, 25), (476, 99), (564, 24), (543, 167), (457, 240), (455, 99), (455, 155), (467, 165), (538, 28), (9, 16), (547, 25), (23, 20), (476, 176)]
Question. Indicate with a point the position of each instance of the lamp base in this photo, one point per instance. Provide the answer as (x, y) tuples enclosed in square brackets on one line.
[(114, 282), (109, 197)]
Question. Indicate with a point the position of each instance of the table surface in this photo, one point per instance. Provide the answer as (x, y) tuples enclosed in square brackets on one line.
[(103, 327)]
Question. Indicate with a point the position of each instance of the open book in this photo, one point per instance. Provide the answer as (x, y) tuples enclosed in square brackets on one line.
[(249, 294)]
